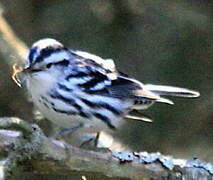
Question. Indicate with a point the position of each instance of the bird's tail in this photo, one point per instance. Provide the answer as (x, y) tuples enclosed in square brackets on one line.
[(171, 91)]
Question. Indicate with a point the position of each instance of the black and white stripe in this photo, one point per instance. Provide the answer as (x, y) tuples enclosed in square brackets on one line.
[(50, 105), (66, 100), (103, 105), (84, 114), (37, 56), (105, 119), (97, 80), (88, 80), (93, 108)]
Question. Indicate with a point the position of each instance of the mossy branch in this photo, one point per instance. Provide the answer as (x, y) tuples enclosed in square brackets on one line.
[(26, 147)]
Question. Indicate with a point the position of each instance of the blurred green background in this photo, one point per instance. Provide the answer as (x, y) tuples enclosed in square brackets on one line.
[(156, 41)]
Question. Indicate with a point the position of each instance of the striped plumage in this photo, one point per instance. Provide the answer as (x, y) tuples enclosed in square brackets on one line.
[(72, 87)]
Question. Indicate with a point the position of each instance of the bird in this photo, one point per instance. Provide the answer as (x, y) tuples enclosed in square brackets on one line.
[(74, 88)]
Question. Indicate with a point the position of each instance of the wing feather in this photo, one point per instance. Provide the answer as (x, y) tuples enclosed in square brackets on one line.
[(106, 80)]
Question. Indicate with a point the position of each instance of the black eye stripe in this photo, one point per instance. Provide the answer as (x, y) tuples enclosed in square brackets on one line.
[(60, 63)]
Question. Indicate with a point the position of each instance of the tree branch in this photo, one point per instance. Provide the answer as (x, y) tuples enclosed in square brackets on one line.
[(29, 149)]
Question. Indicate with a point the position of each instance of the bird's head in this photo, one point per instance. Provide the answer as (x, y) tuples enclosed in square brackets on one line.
[(46, 54), (46, 60)]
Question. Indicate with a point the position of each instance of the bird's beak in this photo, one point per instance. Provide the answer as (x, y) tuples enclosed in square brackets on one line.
[(30, 70), (26, 70)]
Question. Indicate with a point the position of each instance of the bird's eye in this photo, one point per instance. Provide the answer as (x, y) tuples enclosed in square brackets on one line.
[(49, 65)]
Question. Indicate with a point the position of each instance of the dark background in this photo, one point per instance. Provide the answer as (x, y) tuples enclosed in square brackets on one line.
[(156, 41)]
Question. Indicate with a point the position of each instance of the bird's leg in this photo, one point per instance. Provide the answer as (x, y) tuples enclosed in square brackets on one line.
[(95, 143), (90, 141), (97, 139)]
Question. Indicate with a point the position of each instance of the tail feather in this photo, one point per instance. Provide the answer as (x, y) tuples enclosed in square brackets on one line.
[(171, 91), (138, 116), (164, 100)]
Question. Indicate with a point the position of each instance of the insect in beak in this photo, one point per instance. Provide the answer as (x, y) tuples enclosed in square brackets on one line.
[(16, 70), (26, 70)]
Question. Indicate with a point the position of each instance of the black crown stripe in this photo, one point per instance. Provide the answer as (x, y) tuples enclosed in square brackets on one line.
[(46, 52)]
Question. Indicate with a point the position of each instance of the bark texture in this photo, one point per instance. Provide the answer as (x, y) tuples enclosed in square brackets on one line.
[(26, 152)]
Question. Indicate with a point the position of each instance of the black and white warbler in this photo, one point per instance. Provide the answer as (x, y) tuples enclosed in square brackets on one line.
[(74, 87)]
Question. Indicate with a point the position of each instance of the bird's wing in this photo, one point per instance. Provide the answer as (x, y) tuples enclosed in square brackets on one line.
[(101, 77), (91, 59), (90, 72), (124, 87)]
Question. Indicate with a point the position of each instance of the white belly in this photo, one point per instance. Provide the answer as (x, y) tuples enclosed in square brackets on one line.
[(46, 106), (68, 121)]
